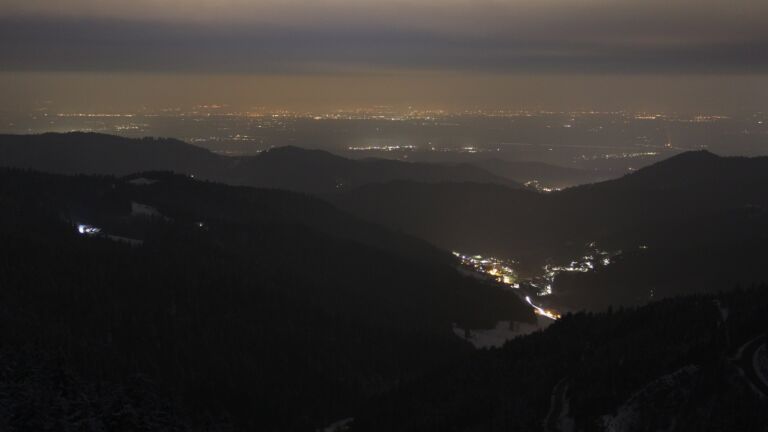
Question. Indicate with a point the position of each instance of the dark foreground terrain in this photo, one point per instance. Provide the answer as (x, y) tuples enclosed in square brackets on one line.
[(242, 307), (155, 301), (685, 364)]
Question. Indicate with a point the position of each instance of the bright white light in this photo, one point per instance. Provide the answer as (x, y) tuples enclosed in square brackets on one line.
[(87, 229), (543, 312)]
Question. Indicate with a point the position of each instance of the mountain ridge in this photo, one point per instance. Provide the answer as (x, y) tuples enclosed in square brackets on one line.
[(293, 168), (226, 297), (701, 211)]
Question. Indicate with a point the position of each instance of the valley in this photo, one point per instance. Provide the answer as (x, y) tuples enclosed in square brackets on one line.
[(383, 216), (581, 303)]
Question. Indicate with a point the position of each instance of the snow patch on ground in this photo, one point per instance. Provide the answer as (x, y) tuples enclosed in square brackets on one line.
[(142, 181), (723, 311), (740, 352), (660, 396), (130, 241), (565, 422), (559, 419), (504, 331), (138, 209), (760, 363), (338, 426)]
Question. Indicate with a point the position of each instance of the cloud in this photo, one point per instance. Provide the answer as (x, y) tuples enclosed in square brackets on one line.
[(292, 36)]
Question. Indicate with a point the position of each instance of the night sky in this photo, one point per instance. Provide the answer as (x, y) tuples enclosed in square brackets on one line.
[(685, 54)]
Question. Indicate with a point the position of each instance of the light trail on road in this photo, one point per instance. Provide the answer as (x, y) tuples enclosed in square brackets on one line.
[(541, 311)]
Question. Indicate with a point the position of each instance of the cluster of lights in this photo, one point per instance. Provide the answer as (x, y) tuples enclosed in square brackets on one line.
[(626, 155), (709, 118), (94, 115), (87, 229), (131, 127), (502, 273), (398, 114), (550, 272), (543, 284), (382, 148), (497, 269), (465, 149), (397, 147), (536, 185), (542, 311)]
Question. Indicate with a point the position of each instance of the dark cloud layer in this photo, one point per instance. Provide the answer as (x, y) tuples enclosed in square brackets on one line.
[(607, 44), (645, 54)]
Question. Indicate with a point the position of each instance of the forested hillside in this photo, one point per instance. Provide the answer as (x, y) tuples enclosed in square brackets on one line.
[(287, 168), (685, 364), (692, 223), (255, 309)]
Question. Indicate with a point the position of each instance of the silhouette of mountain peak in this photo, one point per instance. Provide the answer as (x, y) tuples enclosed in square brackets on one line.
[(695, 156), (695, 167)]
